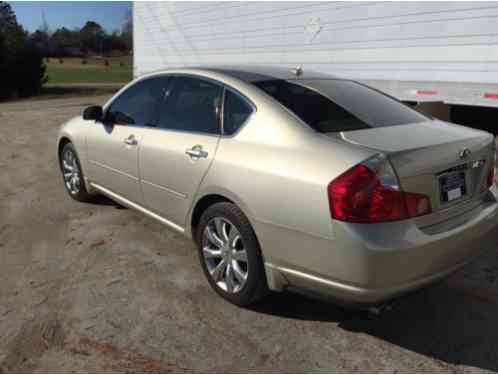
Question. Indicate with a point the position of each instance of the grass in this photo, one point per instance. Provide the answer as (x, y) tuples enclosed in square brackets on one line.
[(72, 70), (47, 93)]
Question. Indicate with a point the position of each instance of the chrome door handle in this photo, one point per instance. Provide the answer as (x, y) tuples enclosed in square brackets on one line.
[(131, 140), (196, 152)]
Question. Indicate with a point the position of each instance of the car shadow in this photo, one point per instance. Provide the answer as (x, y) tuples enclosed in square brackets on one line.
[(296, 306), (446, 322)]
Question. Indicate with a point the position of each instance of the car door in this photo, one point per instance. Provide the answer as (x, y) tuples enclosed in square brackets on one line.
[(175, 156), (114, 143)]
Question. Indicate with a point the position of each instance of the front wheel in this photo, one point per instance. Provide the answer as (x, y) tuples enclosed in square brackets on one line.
[(230, 255), (72, 174)]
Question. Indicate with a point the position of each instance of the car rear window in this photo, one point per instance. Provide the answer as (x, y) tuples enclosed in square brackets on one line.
[(339, 105)]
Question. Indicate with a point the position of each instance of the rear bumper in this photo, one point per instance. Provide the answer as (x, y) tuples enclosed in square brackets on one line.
[(368, 264), (352, 294)]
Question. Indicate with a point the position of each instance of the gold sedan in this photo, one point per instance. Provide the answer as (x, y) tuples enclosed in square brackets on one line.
[(290, 179)]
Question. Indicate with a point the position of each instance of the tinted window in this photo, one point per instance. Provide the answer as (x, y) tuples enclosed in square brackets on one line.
[(337, 105), (138, 105), (235, 112), (192, 105)]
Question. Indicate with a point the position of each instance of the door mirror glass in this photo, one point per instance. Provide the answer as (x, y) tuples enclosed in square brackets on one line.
[(93, 113)]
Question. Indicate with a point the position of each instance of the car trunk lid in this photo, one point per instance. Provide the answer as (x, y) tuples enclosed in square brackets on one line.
[(447, 162)]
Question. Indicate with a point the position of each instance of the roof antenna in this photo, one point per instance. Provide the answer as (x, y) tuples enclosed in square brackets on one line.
[(297, 71), (313, 28)]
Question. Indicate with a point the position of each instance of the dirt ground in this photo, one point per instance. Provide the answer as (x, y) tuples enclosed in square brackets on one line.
[(99, 288)]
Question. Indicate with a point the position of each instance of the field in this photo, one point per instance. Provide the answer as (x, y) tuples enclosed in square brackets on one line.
[(99, 288), (74, 70)]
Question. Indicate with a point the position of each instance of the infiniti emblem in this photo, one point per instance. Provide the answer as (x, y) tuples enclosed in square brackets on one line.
[(465, 153)]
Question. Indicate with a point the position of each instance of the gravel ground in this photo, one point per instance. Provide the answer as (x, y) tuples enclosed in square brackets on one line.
[(99, 288)]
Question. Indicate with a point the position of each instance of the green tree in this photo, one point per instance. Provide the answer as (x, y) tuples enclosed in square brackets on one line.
[(41, 40), (114, 42), (2, 51), (21, 65), (92, 37), (7, 16), (63, 39)]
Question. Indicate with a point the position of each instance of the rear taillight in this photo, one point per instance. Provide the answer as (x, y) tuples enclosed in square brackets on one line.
[(370, 193), (490, 178)]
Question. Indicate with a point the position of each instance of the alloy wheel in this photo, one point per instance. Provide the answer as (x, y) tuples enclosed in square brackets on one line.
[(224, 254), (71, 172)]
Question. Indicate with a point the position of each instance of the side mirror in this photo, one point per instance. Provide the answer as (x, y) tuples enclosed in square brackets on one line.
[(93, 113)]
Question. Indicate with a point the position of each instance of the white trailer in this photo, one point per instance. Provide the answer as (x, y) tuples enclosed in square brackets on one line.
[(416, 51)]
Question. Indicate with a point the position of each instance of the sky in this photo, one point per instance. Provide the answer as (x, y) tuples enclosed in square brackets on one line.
[(71, 14)]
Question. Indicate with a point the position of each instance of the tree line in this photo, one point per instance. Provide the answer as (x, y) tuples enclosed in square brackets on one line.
[(91, 39), (22, 69)]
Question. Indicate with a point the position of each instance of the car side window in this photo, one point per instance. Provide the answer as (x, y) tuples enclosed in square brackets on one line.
[(192, 105), (139, 104), (235, 112)]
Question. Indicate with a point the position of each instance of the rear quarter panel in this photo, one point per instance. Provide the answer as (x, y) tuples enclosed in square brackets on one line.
[(277, 171)]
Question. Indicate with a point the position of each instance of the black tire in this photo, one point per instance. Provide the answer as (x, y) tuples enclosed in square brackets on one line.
[(80, 194), (255, 287)]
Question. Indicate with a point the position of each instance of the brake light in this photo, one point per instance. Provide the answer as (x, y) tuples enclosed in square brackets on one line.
[(370, 193), (491, 177)]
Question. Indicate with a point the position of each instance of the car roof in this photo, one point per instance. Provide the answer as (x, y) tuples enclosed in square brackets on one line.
[(252, 74)]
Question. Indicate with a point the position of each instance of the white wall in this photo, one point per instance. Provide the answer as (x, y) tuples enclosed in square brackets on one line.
[(418, 41)]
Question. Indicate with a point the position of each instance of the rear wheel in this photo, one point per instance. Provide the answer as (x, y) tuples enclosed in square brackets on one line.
[(230, 255), (73, 176)]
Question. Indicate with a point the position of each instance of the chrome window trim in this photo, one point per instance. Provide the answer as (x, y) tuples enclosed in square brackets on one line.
[(217, 135), (215, 81), (222, 112), (223, 86)]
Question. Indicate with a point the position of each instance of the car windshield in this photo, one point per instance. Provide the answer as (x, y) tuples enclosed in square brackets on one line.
[(334, 105)]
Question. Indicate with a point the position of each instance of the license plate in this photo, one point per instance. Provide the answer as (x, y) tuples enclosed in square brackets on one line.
[(452, 186)]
